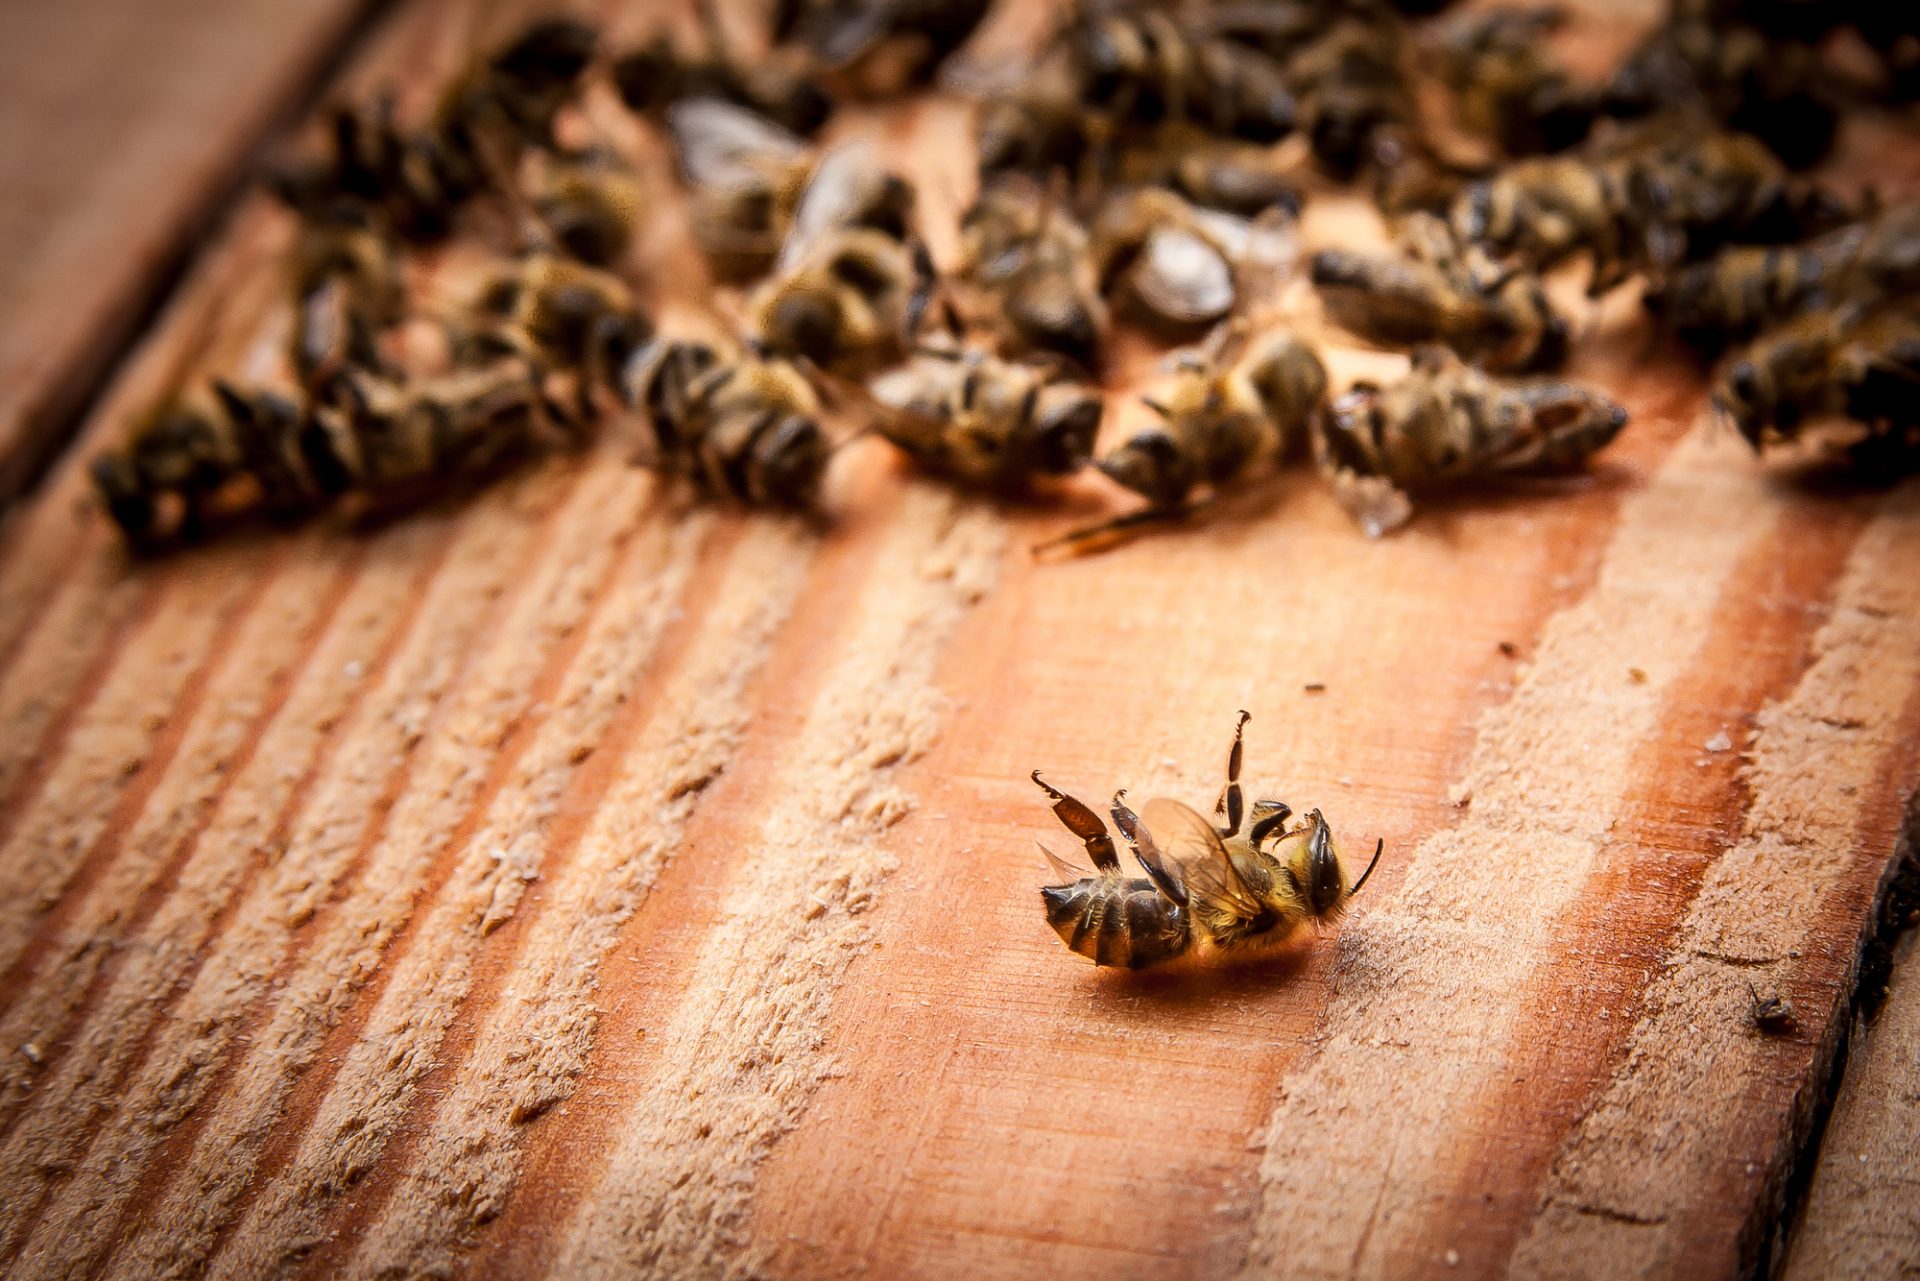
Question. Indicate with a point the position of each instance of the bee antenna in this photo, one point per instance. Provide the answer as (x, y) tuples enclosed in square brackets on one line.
[(1378, 845), (1157, 406)]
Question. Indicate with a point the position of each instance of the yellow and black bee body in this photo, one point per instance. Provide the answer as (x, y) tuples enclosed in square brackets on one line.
[(1209, 891)]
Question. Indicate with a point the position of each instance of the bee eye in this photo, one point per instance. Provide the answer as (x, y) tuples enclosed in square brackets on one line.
[(1323, 869), (1744, 381), (1066, 442), (859, 273)]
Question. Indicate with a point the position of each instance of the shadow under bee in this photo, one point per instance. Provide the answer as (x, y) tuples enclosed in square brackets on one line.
[(1193, 987)]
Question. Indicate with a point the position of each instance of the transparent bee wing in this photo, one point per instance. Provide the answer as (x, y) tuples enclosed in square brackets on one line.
[(1177, 839), (720, 144), (1183, 278), (833, 198), (1262, 248), (1376, 504), (1066, 871)]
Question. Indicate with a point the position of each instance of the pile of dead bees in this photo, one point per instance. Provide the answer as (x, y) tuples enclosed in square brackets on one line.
[(1145, 172)]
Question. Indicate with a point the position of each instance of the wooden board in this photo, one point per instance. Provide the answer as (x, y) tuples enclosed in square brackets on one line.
[(583, 882), (123, 128)]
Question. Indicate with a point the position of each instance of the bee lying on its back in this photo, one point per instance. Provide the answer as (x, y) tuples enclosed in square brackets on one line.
[(1207, 890)]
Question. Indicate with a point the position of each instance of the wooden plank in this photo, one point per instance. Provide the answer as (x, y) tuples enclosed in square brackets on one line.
[(586, 883), (124, 128), (1862, 1214)]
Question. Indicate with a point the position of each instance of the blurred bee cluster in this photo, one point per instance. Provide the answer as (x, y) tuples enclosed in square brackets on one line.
[(462, 291)]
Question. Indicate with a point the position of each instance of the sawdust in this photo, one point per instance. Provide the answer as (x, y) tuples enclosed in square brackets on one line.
[(450, 762), (154, 1082), (75, 942), (1624, 1196), (117, 744), (425, 985), (1426, 982), (744, 1050), (535, 1040)]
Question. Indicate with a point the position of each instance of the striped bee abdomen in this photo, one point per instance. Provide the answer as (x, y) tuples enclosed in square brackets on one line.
[(1117, 920)]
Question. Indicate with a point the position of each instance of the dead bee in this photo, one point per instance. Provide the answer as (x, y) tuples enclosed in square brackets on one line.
[(1506, 87), (416, 180), (1448, 424), (1742, 290), (1030, 261), (586, 203), (1412, 174), (878, 47), (1737, 74), (1208, 891), (184, 460), (368, 168), (735, 425), (1772, 1014), (1651, 202), (510, 101), (1149, 67), (853, 281), (987, 422), (1277, 28), (854, 302), (348, 287), (1040, 127), (1439, 290), (1853, 363), (1352, 85), (558, 314), (1243, 403), (398, 439), (778, 85), (1172, 267), (1238, 178), (747, 175)]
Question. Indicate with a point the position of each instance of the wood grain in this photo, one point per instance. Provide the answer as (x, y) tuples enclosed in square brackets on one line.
[(123, 128), (580, 881), (1862, 1214)]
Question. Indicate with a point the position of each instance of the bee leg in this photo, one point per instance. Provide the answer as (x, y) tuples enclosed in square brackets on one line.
[(1077, 818), (1268, 816), (1119, 528), (1129, 824), (1232, 801)]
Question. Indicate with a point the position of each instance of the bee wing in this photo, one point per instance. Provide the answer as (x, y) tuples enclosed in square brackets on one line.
[(832, 198), (840, 33), (1262, 249), (1067, 872), (1183, 277), (1178, 839), (721, 145)]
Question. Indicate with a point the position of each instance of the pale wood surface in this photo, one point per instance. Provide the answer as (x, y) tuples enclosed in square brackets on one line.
[(120, 126), (582, 882)]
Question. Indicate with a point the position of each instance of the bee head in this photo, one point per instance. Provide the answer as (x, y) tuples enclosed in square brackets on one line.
[(1050, 313), (1066, 431), (791, 459), (1745, 396), (807, 325), (1313, 866), (1153, 466), (127, 501), (1326, 886)]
